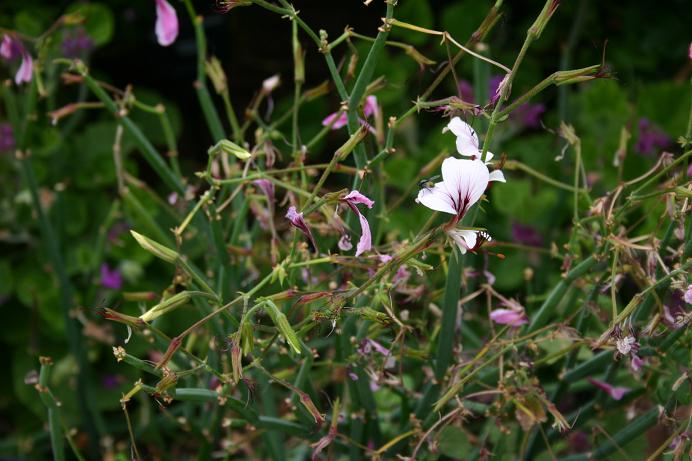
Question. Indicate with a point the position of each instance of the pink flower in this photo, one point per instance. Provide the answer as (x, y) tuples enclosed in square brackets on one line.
[(10, 49), (166, 23), (636, 363), (616, 393), (352, 199), (339, 120), (512, 317), (298, 221), (463, 184), (111, 278), (267, 187), (688, 294)]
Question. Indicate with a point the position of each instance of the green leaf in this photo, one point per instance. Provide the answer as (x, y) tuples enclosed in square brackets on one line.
[(454, 443)]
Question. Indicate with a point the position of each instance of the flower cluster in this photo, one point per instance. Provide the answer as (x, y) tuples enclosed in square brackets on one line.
[(463, 183)]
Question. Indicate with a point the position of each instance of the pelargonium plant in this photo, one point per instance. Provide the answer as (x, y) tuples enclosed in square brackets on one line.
[(270, 305)]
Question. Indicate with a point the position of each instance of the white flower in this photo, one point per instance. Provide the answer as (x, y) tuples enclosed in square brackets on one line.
[(624, 345), (468, 145), (463, 184), (468, 240)]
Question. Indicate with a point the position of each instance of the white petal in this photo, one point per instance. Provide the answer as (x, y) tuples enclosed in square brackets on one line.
[(497, 175), (437, 199), (488, 156), (469, 237), (467, 140), (465, 181)]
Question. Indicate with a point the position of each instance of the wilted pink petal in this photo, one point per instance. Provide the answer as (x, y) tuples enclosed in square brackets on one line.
[(355, 197), (370, 107), (25, 70), (616, 393), (267, 187), (166, 23), (323, 443), (636, 363), (688, 294), (298, 221), (337, 120), (352, 199), (510, 317), (345, 243), (110, 278), (271, 83), (402, 275), (384, 258), (10, 48)]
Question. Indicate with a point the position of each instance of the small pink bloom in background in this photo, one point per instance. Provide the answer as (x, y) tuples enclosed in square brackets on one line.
[(689, 53), (339, 120), (636, 363), (651, 138), (166, 23), (352, 199), (298, 221), (689, 171), (111, 278), (267, 187), (617, 393), (526, 235), (7, 141), (466, 91), (10, 49), (511, 317), (463, 184), (688, 294), (345, 243), (76, 43)]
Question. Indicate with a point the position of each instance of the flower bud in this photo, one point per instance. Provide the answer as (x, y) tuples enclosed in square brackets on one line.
[(229, 147), (216, 74), (169, 304), (156, 248), (568, 77), (271, 83), (281, 323)]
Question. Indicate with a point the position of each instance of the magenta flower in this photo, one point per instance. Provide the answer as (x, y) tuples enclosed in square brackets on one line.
[(6, 137), (166, 23), (10, 49), (526, 235), (340, 120), (512, 317), (688, 294), (298, 221), (466, 91), (352, 199), (463, 184), (77, 43), (111, 278), (651, 138), (617, 393), (267, 187)]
